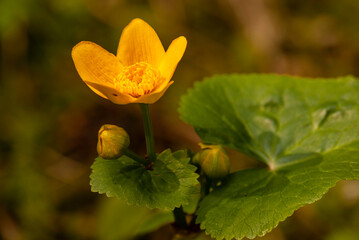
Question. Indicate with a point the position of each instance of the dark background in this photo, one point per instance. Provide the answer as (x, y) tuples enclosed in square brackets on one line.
[(49, 118)]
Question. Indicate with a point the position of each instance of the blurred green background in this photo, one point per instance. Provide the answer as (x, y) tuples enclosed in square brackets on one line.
[(49, 118)]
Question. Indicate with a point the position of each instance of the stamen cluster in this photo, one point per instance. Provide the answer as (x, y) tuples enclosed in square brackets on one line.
[(138, 79)]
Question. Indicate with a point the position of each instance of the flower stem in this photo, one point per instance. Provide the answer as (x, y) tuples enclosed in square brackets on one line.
[(150, 143), (180, 218), (134, 156)]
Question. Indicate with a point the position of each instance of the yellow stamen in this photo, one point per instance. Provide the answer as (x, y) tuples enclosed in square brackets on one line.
[(138, 79)]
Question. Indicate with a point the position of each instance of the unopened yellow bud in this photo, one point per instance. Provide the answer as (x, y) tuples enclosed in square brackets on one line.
[(213, 160), (112, 141)]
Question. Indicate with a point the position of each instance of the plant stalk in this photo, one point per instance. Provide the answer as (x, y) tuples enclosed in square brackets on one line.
[(134, 156), (180, 218), (150, 142)]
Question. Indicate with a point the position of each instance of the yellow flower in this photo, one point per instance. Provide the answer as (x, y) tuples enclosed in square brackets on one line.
[(140, 73)]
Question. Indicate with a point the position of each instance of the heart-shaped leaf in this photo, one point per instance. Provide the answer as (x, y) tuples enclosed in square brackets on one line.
[(170, 183), (306, 131)]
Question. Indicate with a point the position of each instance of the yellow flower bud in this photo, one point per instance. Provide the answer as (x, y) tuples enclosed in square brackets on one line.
[(112, 141), (213, 160)]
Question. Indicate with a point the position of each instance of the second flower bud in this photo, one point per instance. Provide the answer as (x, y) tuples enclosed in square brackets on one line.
[(112, 141), (213, 160)]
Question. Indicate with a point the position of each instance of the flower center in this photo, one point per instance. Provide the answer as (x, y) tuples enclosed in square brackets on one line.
[(138, 79)]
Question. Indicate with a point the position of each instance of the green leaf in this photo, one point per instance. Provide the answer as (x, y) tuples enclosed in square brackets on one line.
[(306, 131), (170, 183), (118, 220), (343, 234)]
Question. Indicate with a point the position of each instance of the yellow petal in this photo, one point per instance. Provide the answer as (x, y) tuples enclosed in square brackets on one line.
[(161, 86), (172, 57), (112, 94), (95, 65), (97, 92), (154, 96), (140, 43)]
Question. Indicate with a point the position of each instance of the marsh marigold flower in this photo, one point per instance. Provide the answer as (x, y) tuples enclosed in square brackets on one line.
[(140, 73)]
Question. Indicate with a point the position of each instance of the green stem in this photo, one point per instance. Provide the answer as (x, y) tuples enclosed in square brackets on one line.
[(180, 218), (150, 142), (134, 156), (207, 185), (203, 182)]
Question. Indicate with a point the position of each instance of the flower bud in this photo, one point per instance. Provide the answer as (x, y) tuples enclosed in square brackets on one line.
[(213, 160), (112, 141)]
